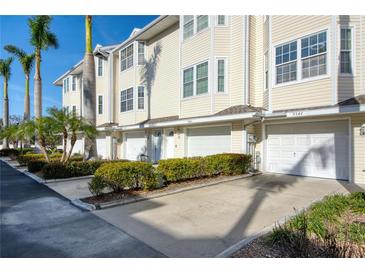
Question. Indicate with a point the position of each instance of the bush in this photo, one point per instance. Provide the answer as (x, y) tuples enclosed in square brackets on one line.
[(173, 170), (24, 159), (75, 168), (119, 176), (5, 152), (36, 165)]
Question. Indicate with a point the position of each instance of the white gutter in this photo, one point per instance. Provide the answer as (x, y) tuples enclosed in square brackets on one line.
[(68, 72)]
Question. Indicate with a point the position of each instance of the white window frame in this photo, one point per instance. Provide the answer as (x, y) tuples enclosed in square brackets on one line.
[(137, 51), (72, 109), (132, 45), (286, 63), (195, 32), (144, 98), (64, 85), (353, 60), (299, 59), (225, 21), (102, 104), (194, 81), (120, 100), (225, 59), (67, 109), (74, 78), (100, 61)]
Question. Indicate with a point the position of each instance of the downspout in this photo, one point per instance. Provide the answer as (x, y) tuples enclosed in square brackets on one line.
[(246, 59), (110, 88)]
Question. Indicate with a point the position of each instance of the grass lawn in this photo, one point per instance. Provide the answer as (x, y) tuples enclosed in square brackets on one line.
[(333, 227)]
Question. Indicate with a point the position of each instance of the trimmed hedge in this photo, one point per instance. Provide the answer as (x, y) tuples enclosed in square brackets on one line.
[(57, 170), (14, 151), (26, 158), (119, 176), (174, 170)]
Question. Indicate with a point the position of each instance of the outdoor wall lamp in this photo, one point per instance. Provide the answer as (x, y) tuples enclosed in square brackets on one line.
[(362, 130)]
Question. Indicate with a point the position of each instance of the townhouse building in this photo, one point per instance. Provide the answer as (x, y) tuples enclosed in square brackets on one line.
[(287, 89)]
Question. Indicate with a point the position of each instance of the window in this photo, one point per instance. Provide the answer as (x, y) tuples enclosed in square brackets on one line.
[(188, 26), (126, 56), (188, 89), (286, 62), (74, 83), (221, 69), (100, 66), (221, 20), (266, 70), (100, 104), (346, 51), (67, 109), (141, 58), (140, 100), (64, 85), (126, 100), (202, 78), (74, 110), (201, 22), (314, 55)]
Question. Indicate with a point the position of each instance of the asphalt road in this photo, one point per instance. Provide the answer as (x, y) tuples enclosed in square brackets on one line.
[(38, 222)]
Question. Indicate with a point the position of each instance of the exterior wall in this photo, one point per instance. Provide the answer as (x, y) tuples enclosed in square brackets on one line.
[(73, 98), (237, 137), (358, 149), (101, 88)]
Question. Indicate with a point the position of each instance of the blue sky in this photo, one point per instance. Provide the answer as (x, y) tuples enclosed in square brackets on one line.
[(70, 33)]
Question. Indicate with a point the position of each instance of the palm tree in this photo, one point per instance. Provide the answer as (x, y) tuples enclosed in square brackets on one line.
[(41, 38), (27, 61), (5, 72), (89, 96), (80, 125)]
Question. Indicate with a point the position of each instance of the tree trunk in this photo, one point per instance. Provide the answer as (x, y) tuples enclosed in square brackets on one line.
[(42, 143), (73, 141), (65, 136), (6, 112), (26, 107), (89, 95), (38, 86)]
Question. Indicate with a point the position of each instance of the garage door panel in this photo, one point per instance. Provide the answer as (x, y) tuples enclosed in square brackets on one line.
[(101, 147), (135, 145), (309, 149), (208, 140)]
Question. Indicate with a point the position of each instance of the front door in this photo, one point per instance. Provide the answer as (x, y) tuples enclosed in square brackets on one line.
[(157, 145)]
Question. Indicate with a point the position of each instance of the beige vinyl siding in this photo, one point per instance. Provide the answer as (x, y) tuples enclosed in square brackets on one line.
[(236, 61), (256, 79), (101, 87), (116, 89), (165, 93), (221, 102), (222, 36), (266, 30), (351, 86), (307, 94), (285, 28), (237, 136), (193, 107), (358, 149), (195, 49)]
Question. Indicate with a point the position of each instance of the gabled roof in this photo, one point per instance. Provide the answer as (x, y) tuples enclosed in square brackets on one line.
[(357, 100)]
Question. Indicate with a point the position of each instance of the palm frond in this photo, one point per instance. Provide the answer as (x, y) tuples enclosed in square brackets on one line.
[(5, 67), (41, 36)]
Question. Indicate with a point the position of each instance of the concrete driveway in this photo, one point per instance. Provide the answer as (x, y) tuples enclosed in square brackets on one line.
[(204, 222)]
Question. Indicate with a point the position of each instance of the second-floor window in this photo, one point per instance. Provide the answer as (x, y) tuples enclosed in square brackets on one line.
[(74, 78), (346, 51), (314, 55), (126, 100), (100, 104), (201, 22), (221, 75), (221, 20), (141, 57), (100, 66), (188, 26), (195, 80), (193, 24), (64, 85), (188, 84), (74, 111), (140, 99), (126, 57), (286, 62)]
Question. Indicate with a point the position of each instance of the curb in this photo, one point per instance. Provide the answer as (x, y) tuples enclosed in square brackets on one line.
[(51, 181), (84, 206), (172, 192), (244, 242)]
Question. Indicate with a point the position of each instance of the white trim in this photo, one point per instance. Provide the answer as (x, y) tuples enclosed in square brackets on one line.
[(133, 57), (211, 71), (195, 27), (352, 27), (225, 21), (270, 64), (246, 62), (110, 89), (194, 81), (102, 104), (120, 100), (102, 67), (334, 54), (215, 85)]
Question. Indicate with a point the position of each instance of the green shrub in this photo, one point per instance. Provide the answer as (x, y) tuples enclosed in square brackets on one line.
[(119, 176), (97, 185), (173, 170), (24, 159), (75, 168), (5, 152), (36, 165)]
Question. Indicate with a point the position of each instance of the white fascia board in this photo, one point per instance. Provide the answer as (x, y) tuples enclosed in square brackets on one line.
[(193, 121), (68, 72)]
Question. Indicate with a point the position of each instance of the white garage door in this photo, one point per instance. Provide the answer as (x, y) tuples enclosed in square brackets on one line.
[(309, 149), (101, 147), (208, 140), (135, 145), (78, 147)]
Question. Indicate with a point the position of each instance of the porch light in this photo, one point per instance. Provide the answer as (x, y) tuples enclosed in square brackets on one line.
[(362, 130)]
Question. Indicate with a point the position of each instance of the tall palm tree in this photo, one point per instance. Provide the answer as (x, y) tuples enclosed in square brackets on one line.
[(41, 38), (5, 72), (27, 61), (89, 96)]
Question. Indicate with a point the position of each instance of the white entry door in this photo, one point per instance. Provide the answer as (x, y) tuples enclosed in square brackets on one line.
[(101, 147), (309, 149), (157, 145), (170, 144), (135, 145), (208, 140)]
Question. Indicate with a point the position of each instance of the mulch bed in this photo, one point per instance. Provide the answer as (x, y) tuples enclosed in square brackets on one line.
[(130, 194)]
